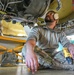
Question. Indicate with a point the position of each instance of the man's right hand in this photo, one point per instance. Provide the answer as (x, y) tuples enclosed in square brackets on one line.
[(32, 61), (71, 49)]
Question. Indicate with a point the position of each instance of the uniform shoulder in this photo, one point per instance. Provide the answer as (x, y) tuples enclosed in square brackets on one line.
[(37, 27)]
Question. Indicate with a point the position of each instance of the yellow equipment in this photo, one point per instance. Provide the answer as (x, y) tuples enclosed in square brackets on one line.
[(11, 46), (66, 53), (68, 56), (14, 29)]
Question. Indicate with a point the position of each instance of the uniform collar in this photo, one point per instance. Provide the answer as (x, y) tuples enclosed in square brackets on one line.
[(45, 27)]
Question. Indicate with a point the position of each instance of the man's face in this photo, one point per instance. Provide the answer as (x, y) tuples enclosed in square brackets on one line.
[(51, 17)]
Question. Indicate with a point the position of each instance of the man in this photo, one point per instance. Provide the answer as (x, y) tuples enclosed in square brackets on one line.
[(46, 39)]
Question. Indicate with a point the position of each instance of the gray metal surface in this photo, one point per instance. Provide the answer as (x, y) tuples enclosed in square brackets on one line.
[(22, 70)]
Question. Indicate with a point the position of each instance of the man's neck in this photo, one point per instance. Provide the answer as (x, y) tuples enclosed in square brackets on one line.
[(52, 25)]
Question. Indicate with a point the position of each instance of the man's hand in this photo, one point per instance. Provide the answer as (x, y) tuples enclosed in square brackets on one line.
[(71, 49), (32, 61)]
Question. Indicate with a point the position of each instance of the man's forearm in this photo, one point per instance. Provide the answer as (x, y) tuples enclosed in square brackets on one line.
[(30, 45)]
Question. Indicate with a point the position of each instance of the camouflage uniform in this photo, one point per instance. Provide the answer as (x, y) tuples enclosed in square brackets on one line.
[(46, 46)]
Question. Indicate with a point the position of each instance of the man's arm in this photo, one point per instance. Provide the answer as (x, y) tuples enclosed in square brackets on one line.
[(71, 49), (31, 58), (66, 43)]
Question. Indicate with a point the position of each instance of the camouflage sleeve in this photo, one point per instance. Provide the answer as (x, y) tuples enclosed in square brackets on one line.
[(34, 34), (63, 39)]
